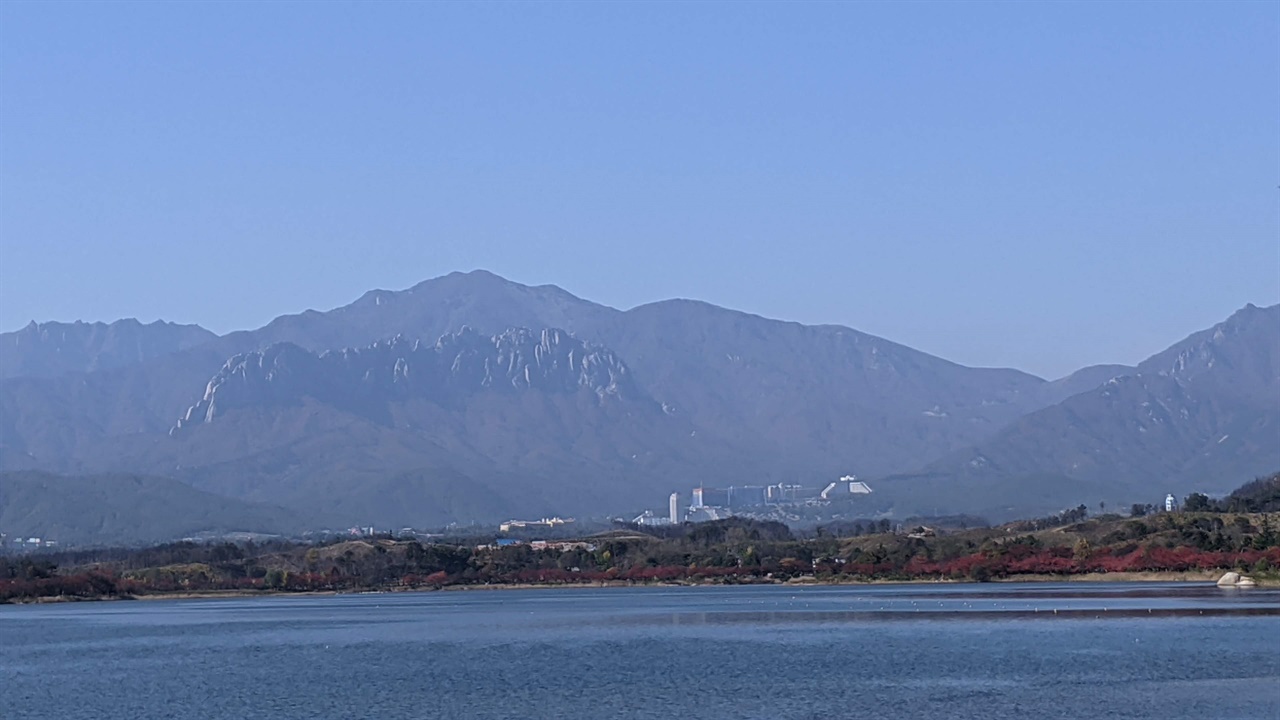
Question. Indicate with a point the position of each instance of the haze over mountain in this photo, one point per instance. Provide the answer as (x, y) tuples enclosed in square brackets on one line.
[(469, 397), (54, 348)]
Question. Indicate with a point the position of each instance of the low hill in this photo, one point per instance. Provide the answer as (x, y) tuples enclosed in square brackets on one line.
[(1261, 495)]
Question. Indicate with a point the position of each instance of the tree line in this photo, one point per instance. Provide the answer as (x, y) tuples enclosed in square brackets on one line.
[(735, 550)]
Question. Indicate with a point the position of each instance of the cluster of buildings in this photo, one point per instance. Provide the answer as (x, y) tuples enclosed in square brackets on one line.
[(25, 543), (710, 503)]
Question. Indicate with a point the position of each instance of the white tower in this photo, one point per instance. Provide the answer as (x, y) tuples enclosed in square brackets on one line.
[(1169, 502), (674, 506)]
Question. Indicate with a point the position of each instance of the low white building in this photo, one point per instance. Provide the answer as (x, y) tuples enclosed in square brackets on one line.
[(849, 484), (510, 525)]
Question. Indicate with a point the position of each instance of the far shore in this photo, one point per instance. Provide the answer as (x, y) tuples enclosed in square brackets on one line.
[(1193, 576)]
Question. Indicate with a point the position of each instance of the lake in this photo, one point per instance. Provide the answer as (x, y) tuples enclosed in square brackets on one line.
[(1070, 650)]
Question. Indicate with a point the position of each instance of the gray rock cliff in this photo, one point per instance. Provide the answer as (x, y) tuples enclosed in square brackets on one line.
[(457, 364)]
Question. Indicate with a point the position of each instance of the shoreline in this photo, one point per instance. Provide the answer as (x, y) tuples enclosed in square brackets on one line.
[(1189, 577)]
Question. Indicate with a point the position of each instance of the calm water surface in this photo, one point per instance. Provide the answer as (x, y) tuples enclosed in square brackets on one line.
[(1145, 651)]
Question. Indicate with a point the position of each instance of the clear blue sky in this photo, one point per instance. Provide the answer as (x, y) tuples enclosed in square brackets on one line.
[(1033, 185)]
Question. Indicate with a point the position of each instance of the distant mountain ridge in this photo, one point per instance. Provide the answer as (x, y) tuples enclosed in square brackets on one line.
[(438, 396), (823, 399), (53, 348), (1200, 415), (1240, 355), (479, 300)]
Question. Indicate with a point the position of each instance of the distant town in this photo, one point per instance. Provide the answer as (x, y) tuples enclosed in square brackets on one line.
[(782, 502), (766, 502)]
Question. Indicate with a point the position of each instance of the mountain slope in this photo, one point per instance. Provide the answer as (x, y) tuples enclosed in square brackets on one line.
[(457, 364), (1197, 416), (51, 349), (124, 509), (1082, 380), (822, 400), (71, 423), (404, 432), (389, 398)]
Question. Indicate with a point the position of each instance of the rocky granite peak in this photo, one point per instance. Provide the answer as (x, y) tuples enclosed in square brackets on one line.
[(457, 364), (1244, 348)]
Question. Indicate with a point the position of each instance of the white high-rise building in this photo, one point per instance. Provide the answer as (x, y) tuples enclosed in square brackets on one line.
[(673, 505)]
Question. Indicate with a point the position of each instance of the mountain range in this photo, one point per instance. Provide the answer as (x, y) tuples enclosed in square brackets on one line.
[(52, 349), (472, 398)]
